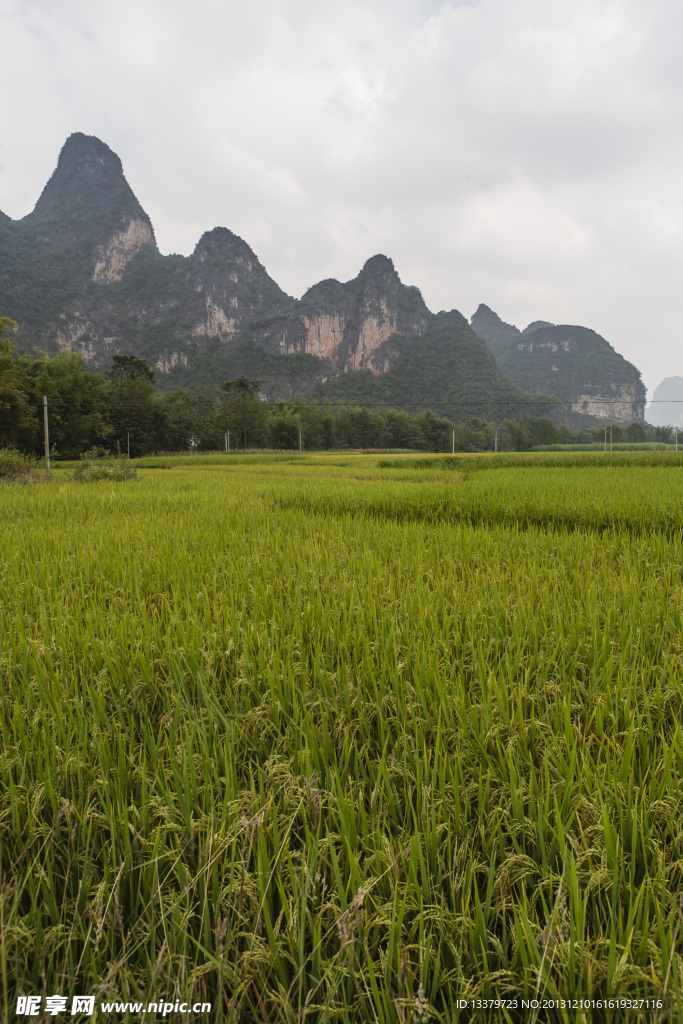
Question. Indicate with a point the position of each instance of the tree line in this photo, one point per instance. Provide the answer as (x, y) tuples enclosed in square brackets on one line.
[(122, 409)]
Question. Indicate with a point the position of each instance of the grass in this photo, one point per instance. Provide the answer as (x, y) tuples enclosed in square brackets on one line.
[(540, 460), (99, 464), (277, 736), (15, 467), (618, 446)]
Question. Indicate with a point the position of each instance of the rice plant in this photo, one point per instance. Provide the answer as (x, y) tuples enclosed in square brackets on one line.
[(277, 736), (99, 464)]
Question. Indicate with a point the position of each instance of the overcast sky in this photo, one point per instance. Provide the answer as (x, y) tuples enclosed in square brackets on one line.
[(523, 153)]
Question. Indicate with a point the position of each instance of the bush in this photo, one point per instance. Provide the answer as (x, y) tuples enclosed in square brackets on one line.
[(14, 466), (100, 464)]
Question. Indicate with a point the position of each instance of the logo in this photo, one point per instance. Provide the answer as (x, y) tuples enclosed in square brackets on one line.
[(28, 1006), (83, 1004)]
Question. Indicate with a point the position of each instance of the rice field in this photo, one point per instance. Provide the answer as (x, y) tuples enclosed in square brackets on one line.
[(346, 738)]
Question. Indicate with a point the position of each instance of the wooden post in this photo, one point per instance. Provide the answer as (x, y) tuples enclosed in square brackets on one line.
[(47, 438)]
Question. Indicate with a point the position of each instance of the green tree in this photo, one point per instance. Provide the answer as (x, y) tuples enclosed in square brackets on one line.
[(476, 435), (543, 431), (77, 401), (202, 406), (437, 431), (636, 432), (242, 411), (173, 422), (405, 431), (367, 429), (131, 396), (518, 436), (19, 425), (283, 428), (665, 434)]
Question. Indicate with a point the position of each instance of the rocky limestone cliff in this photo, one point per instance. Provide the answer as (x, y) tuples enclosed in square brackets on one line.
[(83, 272), (235, 288), (115, 255), (448, 370), (88, 176), (358, 325), (574, 363)]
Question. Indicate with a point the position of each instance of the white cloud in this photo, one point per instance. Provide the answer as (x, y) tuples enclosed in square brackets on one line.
[(522, 154)]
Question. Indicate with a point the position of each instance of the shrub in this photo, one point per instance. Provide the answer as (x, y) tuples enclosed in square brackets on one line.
[(15, 466), (100, 464)]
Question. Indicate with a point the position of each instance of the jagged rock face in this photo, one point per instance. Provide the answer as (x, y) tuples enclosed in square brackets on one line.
[(59, 264), (88, 206), (574, 363), (235, 288), (88, 175), (451, 370), (617, 408), (358, 325), (115, 255), (166, 363), (83, 272)]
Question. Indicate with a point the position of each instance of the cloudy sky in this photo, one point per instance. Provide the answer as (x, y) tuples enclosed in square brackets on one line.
[(523, 153)]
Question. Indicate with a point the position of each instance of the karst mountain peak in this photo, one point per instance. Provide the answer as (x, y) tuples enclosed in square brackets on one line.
[(82, 272), (88, 182), (574, 363)]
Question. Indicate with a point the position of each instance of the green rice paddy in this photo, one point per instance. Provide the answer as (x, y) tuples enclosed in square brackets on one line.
[(346, 738)]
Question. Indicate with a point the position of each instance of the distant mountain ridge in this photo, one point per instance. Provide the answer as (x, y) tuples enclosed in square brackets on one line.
[(572, 362), (448, 368), (666, 408), (83, 272)]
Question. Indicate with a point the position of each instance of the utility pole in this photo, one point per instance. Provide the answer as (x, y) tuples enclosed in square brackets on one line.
[(676, 429), (495, 439), (453, 440), (47, 439), (605, 437), (610, 437), (226, 442)]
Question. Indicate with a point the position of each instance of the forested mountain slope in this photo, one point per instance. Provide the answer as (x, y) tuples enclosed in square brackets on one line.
[(82, 272), (574, 363)]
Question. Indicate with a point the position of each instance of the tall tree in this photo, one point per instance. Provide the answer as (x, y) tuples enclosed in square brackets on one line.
[(203, 410), (78, 403), (19, 426), (241, 409), (131, 391), (173, 422)]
